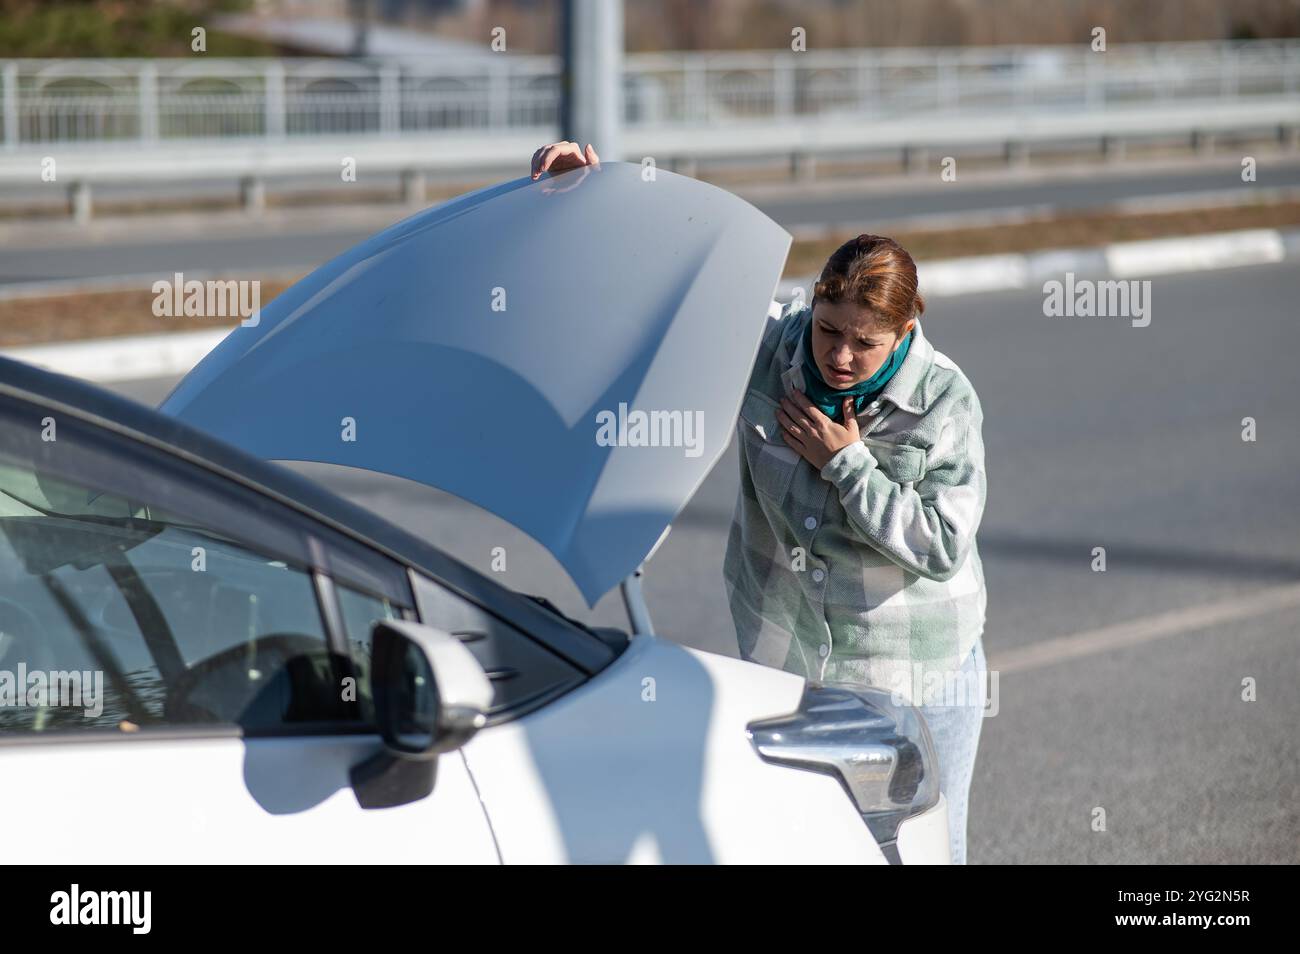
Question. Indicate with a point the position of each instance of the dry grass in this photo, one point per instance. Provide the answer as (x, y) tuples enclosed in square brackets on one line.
[(28, 321)]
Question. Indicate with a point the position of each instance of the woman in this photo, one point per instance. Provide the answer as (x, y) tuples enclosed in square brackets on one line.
[(852, 555)]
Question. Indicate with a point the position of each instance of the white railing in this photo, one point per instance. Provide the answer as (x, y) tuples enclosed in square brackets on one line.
[(189, 119), (65, 101)]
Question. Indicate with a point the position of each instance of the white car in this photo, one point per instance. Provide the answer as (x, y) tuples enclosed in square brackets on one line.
[(205, 657)]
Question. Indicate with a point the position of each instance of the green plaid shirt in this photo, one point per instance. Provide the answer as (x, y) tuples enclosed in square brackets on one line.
[(868, 569)]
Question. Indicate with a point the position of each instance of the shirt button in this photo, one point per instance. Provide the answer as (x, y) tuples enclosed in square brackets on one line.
[(818, 575), (810, 522), (823, 650), (873, 408)]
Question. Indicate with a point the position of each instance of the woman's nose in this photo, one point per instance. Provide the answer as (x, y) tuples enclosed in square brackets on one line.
[(842, 356)]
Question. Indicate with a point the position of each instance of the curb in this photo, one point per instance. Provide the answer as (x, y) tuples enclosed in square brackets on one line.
[(131, 357)]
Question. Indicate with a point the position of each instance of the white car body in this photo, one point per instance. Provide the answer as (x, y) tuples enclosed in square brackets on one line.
[(598, 777), (640, 750), (617, 777)]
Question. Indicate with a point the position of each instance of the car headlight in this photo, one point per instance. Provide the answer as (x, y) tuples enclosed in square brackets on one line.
[(880, 751)]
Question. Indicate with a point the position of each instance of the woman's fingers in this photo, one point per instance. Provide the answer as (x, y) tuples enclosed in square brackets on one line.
[(543, 157), (784, 418), (799, 402), (559, 157), (548, 156), (789, 422), (850, 416), (795, 414)]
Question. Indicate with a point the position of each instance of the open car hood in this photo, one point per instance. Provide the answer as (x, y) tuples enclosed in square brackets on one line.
[(503, 346)]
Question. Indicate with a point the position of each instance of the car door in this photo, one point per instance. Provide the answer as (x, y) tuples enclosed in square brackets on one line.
[(183, 666)]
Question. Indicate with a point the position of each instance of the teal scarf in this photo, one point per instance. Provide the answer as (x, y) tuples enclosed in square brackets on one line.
[(831, 400)]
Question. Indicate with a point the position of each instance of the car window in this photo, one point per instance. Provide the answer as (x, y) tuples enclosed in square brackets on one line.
[(523, 673), (360, 611), (126, 603)]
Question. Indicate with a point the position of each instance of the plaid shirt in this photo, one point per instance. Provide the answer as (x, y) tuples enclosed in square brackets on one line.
[(863, 569)]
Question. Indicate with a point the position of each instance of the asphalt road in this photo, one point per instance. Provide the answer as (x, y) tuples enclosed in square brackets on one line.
[(194, 243), (1123, 689)]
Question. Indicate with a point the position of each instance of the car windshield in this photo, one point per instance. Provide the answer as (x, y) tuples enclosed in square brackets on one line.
[(480, 540)]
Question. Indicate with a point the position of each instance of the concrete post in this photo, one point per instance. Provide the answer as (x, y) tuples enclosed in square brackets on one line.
[(252, 195), (592, 81), (79, 201)]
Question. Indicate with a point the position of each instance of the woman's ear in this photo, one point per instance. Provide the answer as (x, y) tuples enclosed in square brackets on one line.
[(907, 330)]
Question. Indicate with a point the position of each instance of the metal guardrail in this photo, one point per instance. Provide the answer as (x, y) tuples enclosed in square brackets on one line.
[(107, 120), (96, 101)]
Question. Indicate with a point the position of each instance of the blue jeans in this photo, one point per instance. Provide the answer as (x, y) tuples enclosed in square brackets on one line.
[(955, 729)]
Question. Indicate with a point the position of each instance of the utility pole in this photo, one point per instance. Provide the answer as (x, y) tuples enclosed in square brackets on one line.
[(591, 105), (359, 10)]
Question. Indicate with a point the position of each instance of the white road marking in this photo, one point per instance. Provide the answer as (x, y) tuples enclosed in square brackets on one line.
[(1158, 626)]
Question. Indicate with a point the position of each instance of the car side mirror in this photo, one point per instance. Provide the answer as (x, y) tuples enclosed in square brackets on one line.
[(430, 696)]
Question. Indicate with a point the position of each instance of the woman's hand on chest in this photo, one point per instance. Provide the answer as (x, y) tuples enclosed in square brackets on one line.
[(811, 433)]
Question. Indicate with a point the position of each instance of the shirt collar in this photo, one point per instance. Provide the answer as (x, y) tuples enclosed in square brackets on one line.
[(906, 389)]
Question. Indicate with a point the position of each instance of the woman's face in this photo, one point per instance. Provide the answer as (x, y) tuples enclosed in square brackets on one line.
[(849, 343)]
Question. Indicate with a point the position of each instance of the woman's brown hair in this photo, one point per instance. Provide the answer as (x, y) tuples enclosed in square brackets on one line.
[(875, 272)]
